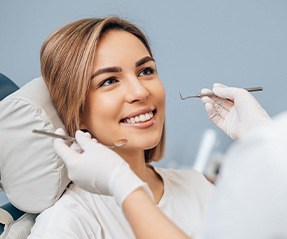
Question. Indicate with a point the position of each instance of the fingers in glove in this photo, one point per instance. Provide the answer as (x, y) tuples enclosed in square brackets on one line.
[(217, 112), (213, 114), (208, 99), (84, 139), (222, 107), (226, 104), (75, 146), (205, 91), (231, 93), (214, 117), (64, 151), (219, 107), (60, 131), (205, 99)]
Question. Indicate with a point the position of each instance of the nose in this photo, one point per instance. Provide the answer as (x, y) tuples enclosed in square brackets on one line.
[(136, 91)]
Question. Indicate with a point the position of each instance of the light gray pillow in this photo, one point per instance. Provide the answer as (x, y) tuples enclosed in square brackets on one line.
[(32, 175)]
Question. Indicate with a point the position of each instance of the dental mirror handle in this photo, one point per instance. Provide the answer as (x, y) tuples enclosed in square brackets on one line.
[(118, 143)]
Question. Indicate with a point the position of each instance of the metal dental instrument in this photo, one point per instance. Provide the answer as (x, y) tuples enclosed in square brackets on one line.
[(117, 143), (251, 89)]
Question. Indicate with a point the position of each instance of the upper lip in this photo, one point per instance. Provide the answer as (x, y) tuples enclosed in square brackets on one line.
[(139, 112)]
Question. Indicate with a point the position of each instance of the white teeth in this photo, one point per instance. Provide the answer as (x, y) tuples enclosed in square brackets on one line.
[(147, 116), (139, 118), (142, 118)]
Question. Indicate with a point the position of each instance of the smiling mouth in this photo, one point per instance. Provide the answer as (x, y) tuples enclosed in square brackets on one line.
[(139, 118)]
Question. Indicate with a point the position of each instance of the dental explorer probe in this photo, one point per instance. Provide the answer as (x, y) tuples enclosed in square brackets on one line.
[(251, 89)]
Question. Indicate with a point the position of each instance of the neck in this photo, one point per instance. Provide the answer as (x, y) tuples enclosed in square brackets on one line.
[(137, 163)]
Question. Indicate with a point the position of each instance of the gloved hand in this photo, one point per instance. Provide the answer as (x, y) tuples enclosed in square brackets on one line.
[(97, 168), (234, 110)]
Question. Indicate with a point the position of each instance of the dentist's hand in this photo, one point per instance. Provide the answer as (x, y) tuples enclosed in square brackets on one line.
[(234, 110), (97, 168)]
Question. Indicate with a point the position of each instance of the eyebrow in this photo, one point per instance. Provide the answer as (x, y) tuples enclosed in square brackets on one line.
[(144, 60), (116, 69), (106, 70)]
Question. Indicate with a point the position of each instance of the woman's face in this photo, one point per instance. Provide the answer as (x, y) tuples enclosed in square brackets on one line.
[(126, 98)]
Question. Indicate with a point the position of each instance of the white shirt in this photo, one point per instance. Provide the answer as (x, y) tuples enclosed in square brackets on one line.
[(80, 214), (251, 196)]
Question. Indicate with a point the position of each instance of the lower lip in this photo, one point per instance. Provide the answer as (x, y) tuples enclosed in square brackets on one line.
[(142, 125)]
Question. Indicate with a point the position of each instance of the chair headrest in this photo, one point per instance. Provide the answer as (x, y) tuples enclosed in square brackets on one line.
[(32, 174)]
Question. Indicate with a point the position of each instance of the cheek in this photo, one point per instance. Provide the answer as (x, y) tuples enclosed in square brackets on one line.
[(163, 95), (99, 113), (159, 93)]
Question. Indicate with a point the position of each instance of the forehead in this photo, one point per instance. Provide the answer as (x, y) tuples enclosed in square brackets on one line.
[(118, 46)]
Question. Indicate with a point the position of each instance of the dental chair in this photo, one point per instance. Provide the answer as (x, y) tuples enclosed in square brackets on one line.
[(33, 177), (7, 211), (7, 86)]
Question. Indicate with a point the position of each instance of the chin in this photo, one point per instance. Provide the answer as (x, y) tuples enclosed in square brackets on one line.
[(149, 143)]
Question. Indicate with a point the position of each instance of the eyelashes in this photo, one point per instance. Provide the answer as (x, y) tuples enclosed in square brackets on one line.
[(108, 81), (147, 71)]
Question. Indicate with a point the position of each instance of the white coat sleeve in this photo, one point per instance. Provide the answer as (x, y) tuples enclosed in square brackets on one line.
[(250, 199)]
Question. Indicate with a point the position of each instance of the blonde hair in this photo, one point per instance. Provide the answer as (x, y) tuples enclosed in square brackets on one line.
[(67, 60)]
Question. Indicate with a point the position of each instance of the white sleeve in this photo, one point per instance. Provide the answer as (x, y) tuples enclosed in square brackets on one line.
[(250, 199)]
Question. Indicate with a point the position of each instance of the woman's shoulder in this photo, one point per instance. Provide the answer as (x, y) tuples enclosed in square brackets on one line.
[(66, 218), (190, 174), (186, 185), (189, 179)]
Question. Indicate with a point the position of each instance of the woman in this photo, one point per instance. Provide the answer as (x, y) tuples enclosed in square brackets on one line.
[(103, 79), (139, 207)]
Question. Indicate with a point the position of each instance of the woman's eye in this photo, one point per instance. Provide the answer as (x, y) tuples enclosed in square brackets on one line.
[(147, 71), (108, 81)]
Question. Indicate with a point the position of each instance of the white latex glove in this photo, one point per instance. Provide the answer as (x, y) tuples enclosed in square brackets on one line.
[(234, 110), (97, 168)]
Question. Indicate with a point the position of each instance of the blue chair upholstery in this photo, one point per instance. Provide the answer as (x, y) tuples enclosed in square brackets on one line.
[(7, 87)]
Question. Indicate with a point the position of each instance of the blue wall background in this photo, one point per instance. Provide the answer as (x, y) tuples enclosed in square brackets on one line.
[(195, 42)]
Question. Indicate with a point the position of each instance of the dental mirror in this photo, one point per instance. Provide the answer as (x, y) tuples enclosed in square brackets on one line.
[(118, 143)]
